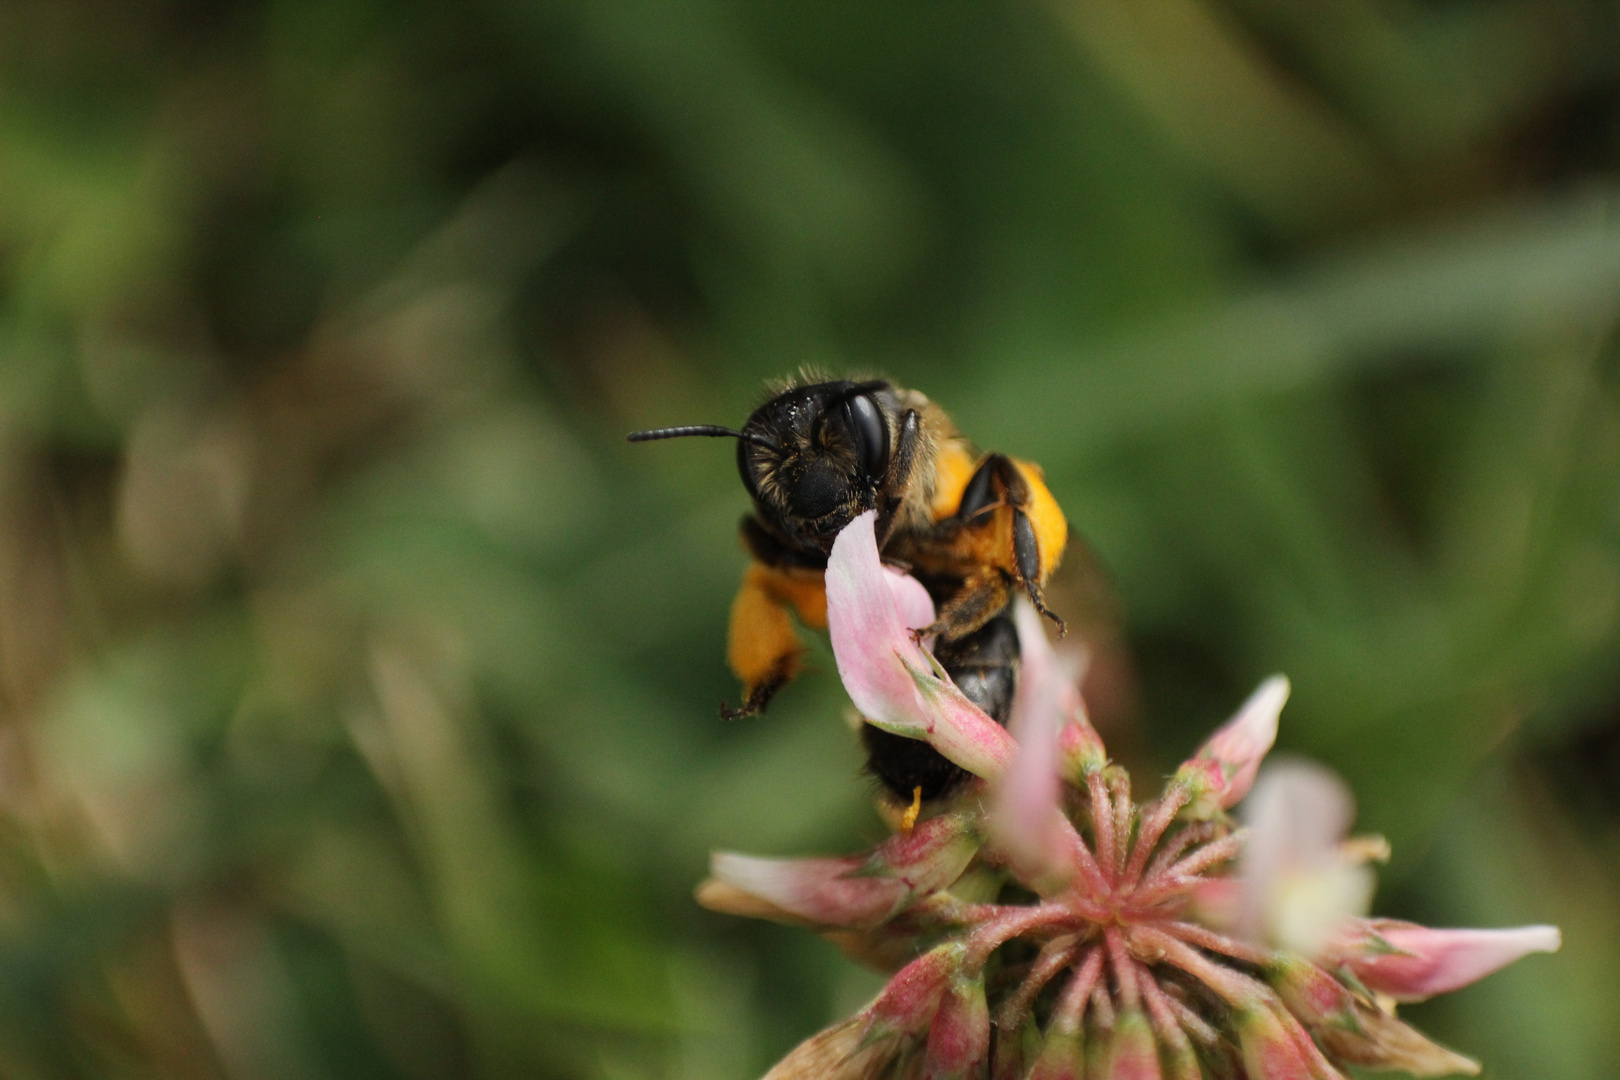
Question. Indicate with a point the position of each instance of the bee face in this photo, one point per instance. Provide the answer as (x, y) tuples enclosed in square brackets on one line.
[(816, 456)]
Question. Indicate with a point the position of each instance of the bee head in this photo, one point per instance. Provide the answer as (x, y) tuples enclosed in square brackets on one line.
[(814, 457)]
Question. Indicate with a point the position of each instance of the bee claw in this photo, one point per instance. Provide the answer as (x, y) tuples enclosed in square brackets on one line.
[(921, 632)]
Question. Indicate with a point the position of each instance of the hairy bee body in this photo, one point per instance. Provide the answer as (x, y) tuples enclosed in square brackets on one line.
[(975, 529)]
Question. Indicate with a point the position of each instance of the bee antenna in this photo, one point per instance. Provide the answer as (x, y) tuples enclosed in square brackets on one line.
[(713, 430)]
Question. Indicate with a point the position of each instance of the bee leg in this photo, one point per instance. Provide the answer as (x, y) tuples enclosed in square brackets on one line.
[(1028, 556), (982, 595), (763, 647), (980, 495), (760, 694), (899, 475)]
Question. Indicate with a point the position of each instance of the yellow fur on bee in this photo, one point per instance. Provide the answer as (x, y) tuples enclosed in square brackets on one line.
[(954, 466), (763, 643), (1051, 527)]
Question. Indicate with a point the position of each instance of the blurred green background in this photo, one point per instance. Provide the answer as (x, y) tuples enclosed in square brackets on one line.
[(358, 683)]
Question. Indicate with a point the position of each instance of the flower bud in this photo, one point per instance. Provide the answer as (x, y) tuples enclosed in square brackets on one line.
[(1223, 770), (1274, 1047), (908, 1004), (811, 892), (835, 1054), (1133, 1053), (1015, 1049), (1383, 1042), (959, 1037), (1062, 1058), (851, 893), (1080, 751), (929, 857), (1317, 998)]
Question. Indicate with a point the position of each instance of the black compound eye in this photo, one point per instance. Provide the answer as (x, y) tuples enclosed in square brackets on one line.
[(870, 434), (745, 468)]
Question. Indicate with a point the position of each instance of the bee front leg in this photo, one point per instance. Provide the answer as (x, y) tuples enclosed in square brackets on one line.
[(898, 480), (982, 595)]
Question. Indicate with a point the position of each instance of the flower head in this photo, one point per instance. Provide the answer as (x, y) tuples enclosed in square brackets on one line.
[(1106, 952)]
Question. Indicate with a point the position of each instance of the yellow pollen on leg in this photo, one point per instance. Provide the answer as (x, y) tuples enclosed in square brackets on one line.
[(910, 818)]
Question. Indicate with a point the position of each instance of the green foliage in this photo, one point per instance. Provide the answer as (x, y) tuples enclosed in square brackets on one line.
[(358, 684)]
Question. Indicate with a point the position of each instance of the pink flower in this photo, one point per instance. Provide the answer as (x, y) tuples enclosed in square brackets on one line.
[(1411, 963), (1108, 959), (1305, 887), (1301, 880), (856, 891)]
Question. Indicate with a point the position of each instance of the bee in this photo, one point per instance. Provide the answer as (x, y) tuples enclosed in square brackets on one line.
[(975, 529)]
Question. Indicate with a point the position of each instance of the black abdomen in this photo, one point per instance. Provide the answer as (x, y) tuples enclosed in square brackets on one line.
[(984, 665)]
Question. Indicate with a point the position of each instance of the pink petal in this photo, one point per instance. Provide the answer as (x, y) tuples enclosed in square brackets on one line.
[(1048, 684), (859, 892), (1026, 820), (822, 892), (1428, 962), (911, 600), (1297, 816), (893, 682), (1223, 770), (958, 728), (870, 639), (1298, 813)]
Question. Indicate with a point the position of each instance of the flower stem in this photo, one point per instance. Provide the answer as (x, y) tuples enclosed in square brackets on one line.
[(1102, 819), (1055, 955), (1153, 826)]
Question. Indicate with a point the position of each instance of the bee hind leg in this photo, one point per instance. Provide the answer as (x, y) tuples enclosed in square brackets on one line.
[(1028, 557), (763, 648), (759, 694)]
